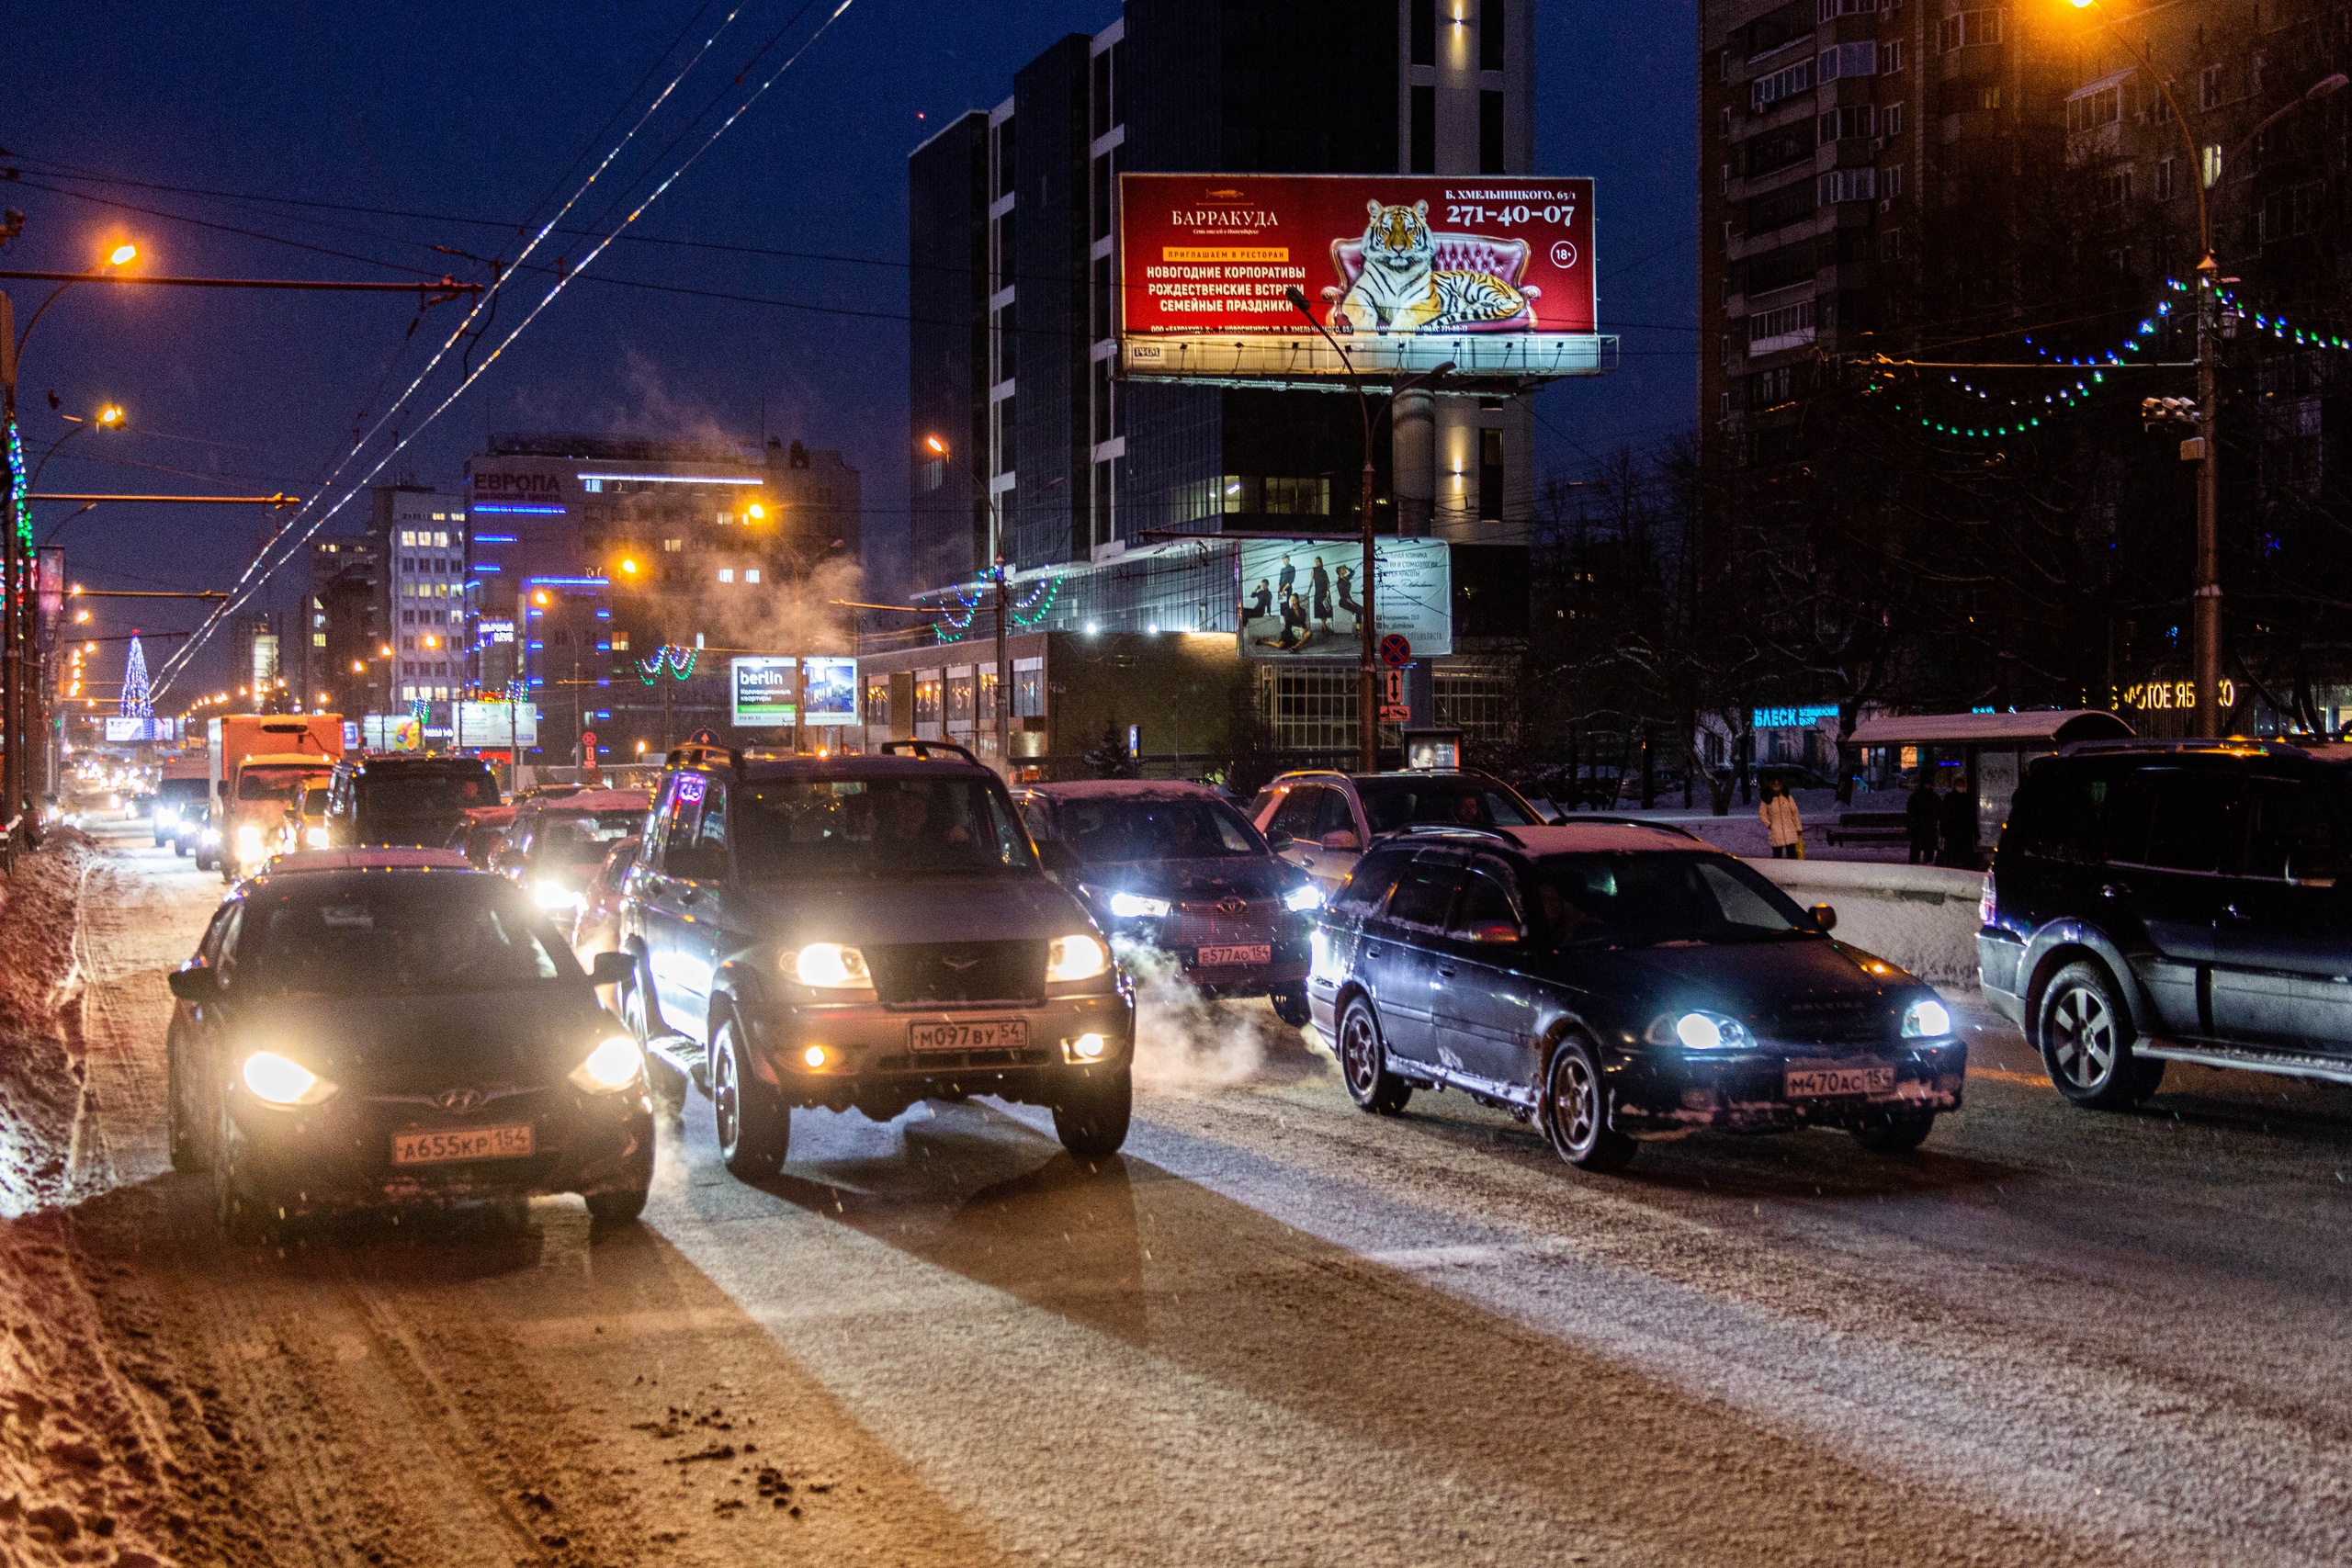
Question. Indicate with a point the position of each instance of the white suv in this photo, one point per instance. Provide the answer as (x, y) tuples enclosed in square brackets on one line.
[(1321, 822)]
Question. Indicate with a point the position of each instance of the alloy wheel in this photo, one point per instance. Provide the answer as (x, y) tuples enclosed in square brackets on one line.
[(1360, 1053), (2082, 1037), (726, 1098), (1576, 1103)]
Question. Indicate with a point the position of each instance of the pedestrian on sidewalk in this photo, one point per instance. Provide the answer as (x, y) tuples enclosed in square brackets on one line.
[(1783, 826), (1921, 812), (1958, 817)]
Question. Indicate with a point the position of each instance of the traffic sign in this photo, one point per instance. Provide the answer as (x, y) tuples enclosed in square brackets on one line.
[(1393, 708), (1395, 650)]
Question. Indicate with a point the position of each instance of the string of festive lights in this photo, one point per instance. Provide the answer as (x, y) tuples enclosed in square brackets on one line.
[(679, 661), (1040, 604), (17, 487)]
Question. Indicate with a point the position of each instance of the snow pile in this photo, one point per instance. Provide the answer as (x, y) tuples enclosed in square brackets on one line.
[(40, 1081), (1188, 1040)]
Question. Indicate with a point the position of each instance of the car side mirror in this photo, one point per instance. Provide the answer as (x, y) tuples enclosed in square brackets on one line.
[(1825, 917), (611, 968), (1493, 933), (196, 983), (1278, 840), (1341, 839)]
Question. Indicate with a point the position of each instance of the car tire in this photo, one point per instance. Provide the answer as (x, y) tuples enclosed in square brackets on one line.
[(2086, 1038), (1363, 1062), (1090, 1116), (1575, 1110), (1896, 1133), (179, 848), (755, 1129), (1289, 1006), (616, 1208), (189, 1152), (240, 1219)]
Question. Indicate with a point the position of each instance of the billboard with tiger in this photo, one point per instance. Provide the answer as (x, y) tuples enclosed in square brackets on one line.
[(1396, 273)]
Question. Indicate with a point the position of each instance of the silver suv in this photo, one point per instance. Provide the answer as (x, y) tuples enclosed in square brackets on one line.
[(1321, 822), (863, 932)]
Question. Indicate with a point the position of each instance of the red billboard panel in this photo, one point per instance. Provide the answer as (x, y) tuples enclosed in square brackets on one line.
[(1404, 272)]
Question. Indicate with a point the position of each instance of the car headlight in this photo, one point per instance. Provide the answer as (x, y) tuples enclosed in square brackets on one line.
[(1701, 1030), (278, 1081), (212, 835), (165, 813), (1927, 1019), (554, 896), (612, 1065), (1076, 958), (249, 840), (1135, 907), (315, 837), (1300, 900), (828, 967)]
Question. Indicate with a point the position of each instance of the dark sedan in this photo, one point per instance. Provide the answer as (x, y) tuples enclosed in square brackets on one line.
[(1172, 866), (350, 1039), (1616, 982)]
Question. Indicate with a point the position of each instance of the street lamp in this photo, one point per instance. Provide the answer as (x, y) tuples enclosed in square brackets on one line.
[(1003, 655), (1367, 675)]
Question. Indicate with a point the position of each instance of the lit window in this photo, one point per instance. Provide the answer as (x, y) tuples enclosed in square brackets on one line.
[(750, 574), (408, 537), (726, 574)]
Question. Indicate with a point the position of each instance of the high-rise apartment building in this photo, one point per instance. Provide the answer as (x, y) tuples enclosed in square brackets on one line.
[(419, 536), (1027, 440), (341, 639)]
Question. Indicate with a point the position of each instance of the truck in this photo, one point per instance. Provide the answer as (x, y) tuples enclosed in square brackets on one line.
[(260, 765)]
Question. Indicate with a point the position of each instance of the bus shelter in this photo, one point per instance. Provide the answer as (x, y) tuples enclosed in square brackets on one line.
[(1986, 751)]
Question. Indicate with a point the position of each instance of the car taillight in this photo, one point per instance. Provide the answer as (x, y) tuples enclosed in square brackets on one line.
[(1985, 906)]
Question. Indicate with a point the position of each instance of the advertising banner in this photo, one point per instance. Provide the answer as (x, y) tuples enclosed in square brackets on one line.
[(392, 732), (1494, 273), (766, 691), (121, 730), (829, 690), (1299, 599), (474, 726)]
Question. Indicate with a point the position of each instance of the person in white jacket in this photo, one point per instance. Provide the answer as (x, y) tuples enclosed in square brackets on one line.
[(1783, 826)]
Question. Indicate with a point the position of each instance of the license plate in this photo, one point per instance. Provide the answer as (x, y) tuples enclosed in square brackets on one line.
[(468, 1143), (1213, 957), (989, 1035), (1827, 1080)]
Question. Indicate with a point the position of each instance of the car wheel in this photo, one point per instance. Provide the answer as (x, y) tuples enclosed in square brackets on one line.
[(1090, 1115), (616, 1208), (1897, 1134), (1289, 1006), (2086, 1039), (1363, 1061), (242, 1219), (179, 848), (1576, 1111), (754, 1131)]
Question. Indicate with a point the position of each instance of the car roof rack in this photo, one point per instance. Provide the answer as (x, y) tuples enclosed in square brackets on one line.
[(703, 753), (921, 750)]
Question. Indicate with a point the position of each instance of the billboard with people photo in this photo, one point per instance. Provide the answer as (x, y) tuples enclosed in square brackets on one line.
[(1302, 598)]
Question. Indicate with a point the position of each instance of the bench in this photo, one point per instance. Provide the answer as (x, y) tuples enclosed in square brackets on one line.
[(1871, 827)]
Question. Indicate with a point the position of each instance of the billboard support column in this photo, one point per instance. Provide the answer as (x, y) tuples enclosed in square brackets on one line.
[(1412, 456)]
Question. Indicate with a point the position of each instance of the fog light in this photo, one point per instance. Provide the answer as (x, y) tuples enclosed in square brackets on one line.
[(1086, 1048), (816, 1056)]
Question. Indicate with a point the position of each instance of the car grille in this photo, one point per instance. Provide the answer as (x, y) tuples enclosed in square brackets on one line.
[(1836, 1020), (1210, 925), (958, 971)]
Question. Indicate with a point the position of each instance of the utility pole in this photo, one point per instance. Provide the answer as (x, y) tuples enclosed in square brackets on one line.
[(2205, 606), (1004, 673)]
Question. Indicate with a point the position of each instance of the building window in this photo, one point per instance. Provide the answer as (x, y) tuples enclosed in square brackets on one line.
[(1846, 59), (1770, 389), (1769, 331), (1313, 710), (1028, 688), (1969, 29), (1849, 184), (1102, 184), (1490, 475), (877, 701), (959, 697), (2164, 179), (1490, 132), (1005, 171), (1890, 120), (1103, 328), (935, 473), (927, 695), (2209, 88), (1890, 57), (1491, 35), (1481, 705), (2115, 189), (1890, 181), (2088, 111), (1857, 122), (1766, 91), (1101, 504), (673, 547), (1424, 130), (988, 695), (1425, 32), (1103, 93), (750, 574), (1890, 245)]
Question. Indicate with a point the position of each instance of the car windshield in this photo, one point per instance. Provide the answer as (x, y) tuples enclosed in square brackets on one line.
[(885, 825), (314, 800), (1390, 804), (584, 838), (417, 795), (1130, 828), (429, 933), (1661, 899), (273, 783)]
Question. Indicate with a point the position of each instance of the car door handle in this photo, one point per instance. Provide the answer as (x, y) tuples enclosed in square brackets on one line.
[(2112, 890), (2233, 912), (1372, 953), (1445, 971)]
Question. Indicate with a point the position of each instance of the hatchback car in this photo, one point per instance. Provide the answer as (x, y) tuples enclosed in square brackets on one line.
[(1614, 982), (1172, 866), (353, 1038), (2154, 902), (1321, 821), (180, 809), (866, 931), (556, 843)]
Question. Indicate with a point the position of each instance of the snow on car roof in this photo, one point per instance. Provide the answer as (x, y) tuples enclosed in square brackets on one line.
[(593, 800), (1127, 789), (381, 859), (1574, 839)]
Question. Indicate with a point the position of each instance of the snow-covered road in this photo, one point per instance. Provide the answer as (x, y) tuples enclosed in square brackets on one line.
[(1277, 1332)]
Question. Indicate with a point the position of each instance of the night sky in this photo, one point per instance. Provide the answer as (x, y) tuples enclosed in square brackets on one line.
[(448, 125)]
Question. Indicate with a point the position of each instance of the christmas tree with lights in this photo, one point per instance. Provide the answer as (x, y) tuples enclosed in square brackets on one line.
[(136, 701)]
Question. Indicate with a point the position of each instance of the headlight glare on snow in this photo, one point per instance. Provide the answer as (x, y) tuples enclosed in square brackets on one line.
[(1927, 1019), (612, 1065), (1078, 956), (274, 1080), (828, 967)]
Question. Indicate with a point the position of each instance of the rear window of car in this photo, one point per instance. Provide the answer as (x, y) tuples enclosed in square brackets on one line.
[(1390, 804)]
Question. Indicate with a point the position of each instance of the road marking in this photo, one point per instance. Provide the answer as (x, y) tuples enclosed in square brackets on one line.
[(2003, 1075)]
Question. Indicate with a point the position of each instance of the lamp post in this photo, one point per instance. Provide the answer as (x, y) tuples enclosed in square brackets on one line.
[(1368, 670), (2205, 602), (938, 448)]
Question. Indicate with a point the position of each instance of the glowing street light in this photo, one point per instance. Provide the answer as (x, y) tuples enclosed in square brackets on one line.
[(125, 254), (939, 448)]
